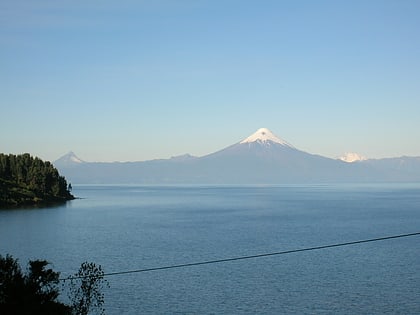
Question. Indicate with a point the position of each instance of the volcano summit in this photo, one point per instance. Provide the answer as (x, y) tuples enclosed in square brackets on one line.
[(261, 158), (263, 135)]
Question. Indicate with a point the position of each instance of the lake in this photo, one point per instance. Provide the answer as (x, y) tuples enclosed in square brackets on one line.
[(136, 227)]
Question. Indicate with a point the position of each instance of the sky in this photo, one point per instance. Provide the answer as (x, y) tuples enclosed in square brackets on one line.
[(139, 80)]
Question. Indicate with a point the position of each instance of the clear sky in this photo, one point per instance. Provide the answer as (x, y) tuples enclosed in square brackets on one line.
[(138, 80)]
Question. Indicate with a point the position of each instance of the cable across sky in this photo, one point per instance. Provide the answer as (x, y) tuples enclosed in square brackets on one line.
[(261, 255)]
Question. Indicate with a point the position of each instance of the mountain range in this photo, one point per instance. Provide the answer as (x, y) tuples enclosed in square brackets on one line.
[(261, 158)]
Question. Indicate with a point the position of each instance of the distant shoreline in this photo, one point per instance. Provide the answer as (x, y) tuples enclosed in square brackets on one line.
[(35, 205), (16, 197)]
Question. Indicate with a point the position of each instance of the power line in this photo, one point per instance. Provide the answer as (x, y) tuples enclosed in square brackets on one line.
[(216, 261)]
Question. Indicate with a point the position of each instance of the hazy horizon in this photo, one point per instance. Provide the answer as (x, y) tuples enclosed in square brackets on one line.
[(349, 155), (135, 81)]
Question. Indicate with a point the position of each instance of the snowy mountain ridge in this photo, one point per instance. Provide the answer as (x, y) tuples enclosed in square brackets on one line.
[(351, 157)]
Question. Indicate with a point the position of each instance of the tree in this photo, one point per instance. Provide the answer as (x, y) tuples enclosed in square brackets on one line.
[(86, 289), (11, 281), (28, 180), (33, 293), (37, 291)]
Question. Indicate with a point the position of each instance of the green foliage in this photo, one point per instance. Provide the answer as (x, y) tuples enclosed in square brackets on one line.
[(28, 180), (37, 291), (33, 293), (86, 289)]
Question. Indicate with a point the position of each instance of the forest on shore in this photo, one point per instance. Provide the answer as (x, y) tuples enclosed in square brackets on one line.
[(27, 180)]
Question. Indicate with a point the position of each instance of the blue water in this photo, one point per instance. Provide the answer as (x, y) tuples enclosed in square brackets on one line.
[(135, 227)]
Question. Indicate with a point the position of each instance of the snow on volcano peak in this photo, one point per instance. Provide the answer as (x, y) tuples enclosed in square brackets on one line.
[(264, 135), (69, 159)]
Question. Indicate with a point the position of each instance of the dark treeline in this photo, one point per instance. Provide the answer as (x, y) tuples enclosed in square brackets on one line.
[(37, 290), (29, 180)]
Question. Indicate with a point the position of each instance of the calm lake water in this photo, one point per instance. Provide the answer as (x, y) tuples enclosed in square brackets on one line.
[(135, 227)]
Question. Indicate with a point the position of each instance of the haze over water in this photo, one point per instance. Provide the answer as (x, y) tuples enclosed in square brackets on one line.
[(135, 227)]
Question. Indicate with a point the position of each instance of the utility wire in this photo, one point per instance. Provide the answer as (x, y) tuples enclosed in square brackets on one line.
[(216, 261)]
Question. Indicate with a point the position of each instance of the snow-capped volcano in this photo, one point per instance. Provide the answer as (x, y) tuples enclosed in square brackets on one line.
[(261, 158), (260, 147), (264, 135), (68, 159)]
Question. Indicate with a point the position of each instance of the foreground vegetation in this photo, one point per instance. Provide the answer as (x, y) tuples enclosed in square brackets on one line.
[(37, 291), (25, 180)]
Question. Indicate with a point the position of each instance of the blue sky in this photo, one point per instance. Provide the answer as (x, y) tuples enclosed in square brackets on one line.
[(137, 80)]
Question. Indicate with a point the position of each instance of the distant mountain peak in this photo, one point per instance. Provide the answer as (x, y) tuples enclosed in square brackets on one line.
[(351, 157), (68, 159), (183, 157), (264, 135)]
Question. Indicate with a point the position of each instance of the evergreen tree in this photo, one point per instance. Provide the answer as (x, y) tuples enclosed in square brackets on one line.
[(25, 180)]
